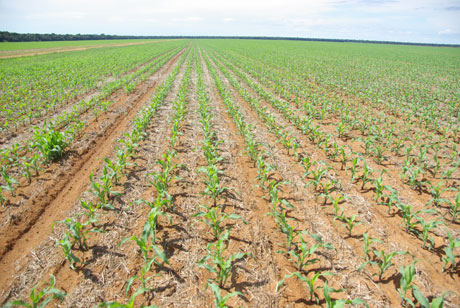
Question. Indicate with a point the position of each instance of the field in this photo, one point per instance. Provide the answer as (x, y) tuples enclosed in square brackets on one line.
[(17, 49), (228, 173)]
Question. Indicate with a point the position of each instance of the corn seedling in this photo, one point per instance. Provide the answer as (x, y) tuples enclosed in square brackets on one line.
[(366, 245), (310, 282), (66, 246), (40, 299), (406, 283), (382, 260), (339, 303), (219, 300), (9, 180), (454, 207), (130, 304), (214, 218), (221, 265), (424, 235), (424, 302), (50, 142), (302, 252), (449, 250)]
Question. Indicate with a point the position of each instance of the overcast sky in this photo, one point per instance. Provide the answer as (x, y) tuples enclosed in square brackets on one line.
[(427, 21)]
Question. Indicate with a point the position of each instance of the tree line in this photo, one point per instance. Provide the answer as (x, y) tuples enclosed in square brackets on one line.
[(6, 36)]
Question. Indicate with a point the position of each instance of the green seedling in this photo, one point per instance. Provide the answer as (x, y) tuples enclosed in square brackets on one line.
[(302, 252), (424, 302), (310, 282), (366, 245), (40, 299), (382, 260), (214, 218), (449, 250), (130, 304), (339, 303), (406, 283), (219, 301), (426, 228), (221, 265)]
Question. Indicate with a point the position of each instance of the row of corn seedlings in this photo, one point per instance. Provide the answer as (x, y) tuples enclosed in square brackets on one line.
[(218, 260), (149, 242), (415, 166), (49, 143), (29, 91), (412, 220), (379, 258), (295, 246), (82, 224)]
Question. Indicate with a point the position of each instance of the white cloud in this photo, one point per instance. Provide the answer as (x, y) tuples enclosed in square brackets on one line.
[(448, 31)]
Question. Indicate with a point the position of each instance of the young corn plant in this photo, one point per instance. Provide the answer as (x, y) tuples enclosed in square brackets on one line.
[(302, 252), (310, 282), (221, 265), (379, 187), (143, 279), (219, 300), (102, 192), (264, 172), (391, 199), (145, 248), (436, 192), (276, 200), (339, 303), (366, 176), (91, 211), (335, 202), (424, 235), (213, 217), (10, 182), (425, 302), (449, 250), (406, 283), (286, 228), (213, 188), (50, 142), (66, 246), (410, 218), (382, 260), (354, 167), (367, 243), (130, 304), (40, 299), (343, 158), (76, 231), (454, 207), (349, 222), (307, 164), (318, 174)]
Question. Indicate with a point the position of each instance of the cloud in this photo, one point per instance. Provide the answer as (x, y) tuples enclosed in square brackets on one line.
[(188, 19), (452, 8), (448, 31), (228, 19)]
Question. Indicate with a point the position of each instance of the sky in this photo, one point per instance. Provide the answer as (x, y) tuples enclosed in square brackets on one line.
[(422, 21)]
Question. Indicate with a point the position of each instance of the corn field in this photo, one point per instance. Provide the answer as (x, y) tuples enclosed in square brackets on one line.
[(231, 173)]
